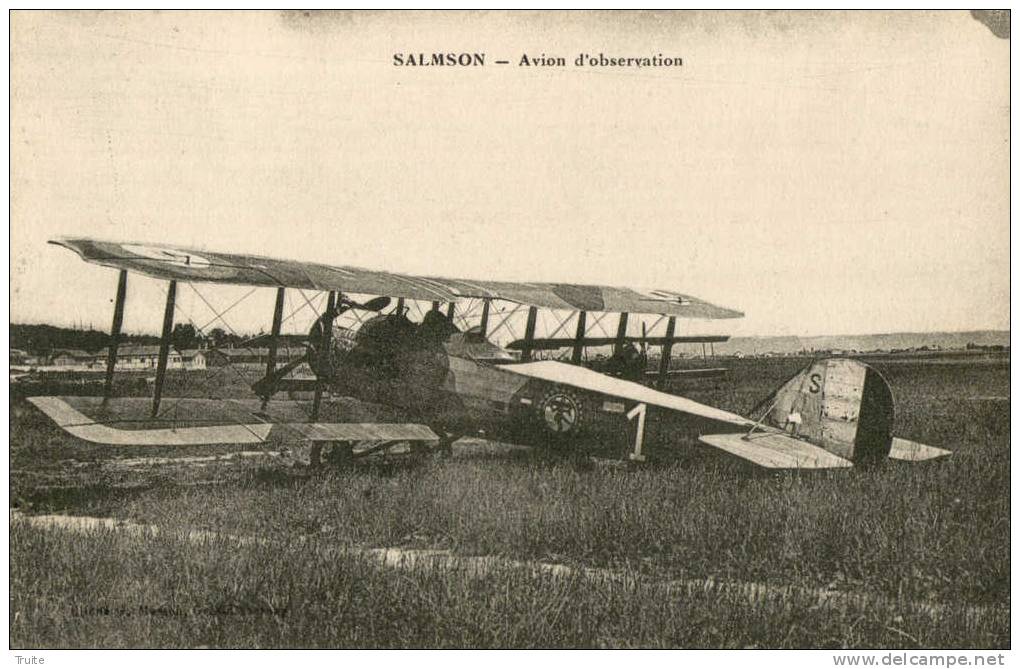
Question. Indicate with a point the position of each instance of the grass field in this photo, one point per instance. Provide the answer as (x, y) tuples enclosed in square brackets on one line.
[(926, 547)]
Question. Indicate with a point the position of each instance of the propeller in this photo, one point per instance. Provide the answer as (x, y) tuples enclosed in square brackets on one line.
[(343, 304), (375, 304), (312, 342)]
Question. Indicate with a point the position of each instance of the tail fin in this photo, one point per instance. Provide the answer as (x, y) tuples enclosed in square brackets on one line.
[(839, 404)]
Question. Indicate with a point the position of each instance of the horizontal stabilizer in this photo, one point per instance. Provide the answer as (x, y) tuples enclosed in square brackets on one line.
[(124, 422), (775, 451), (550, 343), (903, 449)]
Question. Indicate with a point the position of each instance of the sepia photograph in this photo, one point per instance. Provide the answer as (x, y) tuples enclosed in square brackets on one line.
[(492, 329)]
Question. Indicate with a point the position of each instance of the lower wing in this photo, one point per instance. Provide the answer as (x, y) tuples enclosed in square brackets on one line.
[(586, 379), (195, 422), (768, 447)]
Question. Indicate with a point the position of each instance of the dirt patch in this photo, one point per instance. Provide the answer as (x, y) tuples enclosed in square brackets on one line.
[(404, 558)]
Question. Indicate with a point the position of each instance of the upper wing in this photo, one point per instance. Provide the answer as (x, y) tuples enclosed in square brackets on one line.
[(176, 263), (586, 379), (125, 422)]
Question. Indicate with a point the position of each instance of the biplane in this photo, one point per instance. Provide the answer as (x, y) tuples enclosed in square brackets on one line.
[(441, 382)]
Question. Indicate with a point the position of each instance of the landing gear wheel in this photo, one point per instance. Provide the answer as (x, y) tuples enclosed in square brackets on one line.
[(418, 450), (340, 454), (444, 449)]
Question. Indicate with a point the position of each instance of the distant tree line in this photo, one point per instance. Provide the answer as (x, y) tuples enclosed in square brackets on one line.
[(971, 346), (44, 339)]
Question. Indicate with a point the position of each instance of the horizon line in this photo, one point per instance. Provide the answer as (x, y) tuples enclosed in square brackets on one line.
[(740, 336)]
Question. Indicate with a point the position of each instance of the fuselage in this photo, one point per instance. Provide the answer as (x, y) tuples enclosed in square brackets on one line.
[(431, 371), (462, 384)]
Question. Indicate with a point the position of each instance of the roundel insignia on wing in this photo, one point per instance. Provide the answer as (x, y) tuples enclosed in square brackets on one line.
[(185, 259), (664, 296), (167, 255), (561, 412)]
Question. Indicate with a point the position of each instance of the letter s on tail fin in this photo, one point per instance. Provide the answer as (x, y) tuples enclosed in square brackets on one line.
[(845, 407)]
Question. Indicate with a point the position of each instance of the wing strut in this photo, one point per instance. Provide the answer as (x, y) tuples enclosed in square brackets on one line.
[(164, 345), (529, 333), (118, 319), (667, 352), (621, 332), (484, 325), (274, 338), (324, 346), (582, 324)]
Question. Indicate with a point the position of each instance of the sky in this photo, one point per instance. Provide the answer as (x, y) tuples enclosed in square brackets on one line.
[(823, 172)]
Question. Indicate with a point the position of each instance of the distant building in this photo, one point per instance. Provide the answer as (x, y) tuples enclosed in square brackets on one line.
[(22, 358), (71, 358), (134, 358), (129, 358), (250, 355), (193, 358)]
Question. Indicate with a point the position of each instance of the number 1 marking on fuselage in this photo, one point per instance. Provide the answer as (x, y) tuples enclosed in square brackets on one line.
[(639, 412)]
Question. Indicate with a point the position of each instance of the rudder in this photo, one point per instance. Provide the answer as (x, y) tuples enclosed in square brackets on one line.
[(839, 404)]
